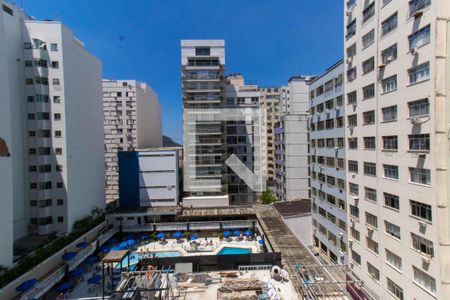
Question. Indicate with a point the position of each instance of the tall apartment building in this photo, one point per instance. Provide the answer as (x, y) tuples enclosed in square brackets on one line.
[(271, 102), (291, 143), (132, 119), (397, 93), (245, 137), (203, 89), (51, 121), (327, 164)]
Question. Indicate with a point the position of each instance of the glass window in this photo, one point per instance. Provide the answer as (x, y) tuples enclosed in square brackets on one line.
[(370, 194), (395, 290), (389, 113), (390, 142), (393, 259), (374, 272), (351, 74), (351, 29), (369, 12), (353, 166), (369, 91), (419, 142), (419, 108), (352, 120), (392, 229), (54, 47), (369, 117), (419, 73), (424, 280), (368, 39), (391, 201), (368, 65), (202, 51), (371, 220), (389, 84), (390, 171), (353, 143), (372, 245), (419, 38), (356, 257), (422, 245), (389, 54), (369, 142), (421, 210), (389, 24), (353, 188), (351, 97), (419, 175), (370, 169)]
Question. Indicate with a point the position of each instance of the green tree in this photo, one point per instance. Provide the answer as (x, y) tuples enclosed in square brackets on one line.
[(268, 197)]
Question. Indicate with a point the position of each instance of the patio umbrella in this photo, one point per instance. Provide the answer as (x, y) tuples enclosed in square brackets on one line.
[(261, 242), (161, 235), (91, 260), (247, 233), (122, 245), (144, 236), (236, 233), (131, 242), (77, 272), (26, 285), (226, 233), (105, 249), (177, 235), (94, 279), (64, 287), (193, 237), (68, 256), (82, 244)]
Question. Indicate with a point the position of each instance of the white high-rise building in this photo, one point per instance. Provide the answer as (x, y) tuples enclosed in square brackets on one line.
[(132, 119), (397, 149), (51, 121), (327, 161), (291, 143)]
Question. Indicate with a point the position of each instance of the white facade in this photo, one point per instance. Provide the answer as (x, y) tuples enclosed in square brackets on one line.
[(132, 119), (327, 161), (51, 95), (159, 177), (397, 149), (291, 144)]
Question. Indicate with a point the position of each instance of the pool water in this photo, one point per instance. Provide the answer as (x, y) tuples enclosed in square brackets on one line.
[(135, 257), (232, 250)]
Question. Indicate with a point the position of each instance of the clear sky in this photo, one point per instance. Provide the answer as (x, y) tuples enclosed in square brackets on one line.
[(267, 41)]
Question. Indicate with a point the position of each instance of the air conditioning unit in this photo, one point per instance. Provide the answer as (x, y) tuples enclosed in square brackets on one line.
[(349, 60), (390, 59), (352, 265), (352, 221), (382, 66), (336, 148), (418, 13), (370, 230), (337, 108), (414, 51), (341, 234), (327, 111), (354, 105), (415, 120), (348, 13), (427, 259)]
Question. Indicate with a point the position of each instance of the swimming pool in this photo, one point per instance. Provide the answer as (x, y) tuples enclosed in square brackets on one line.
[(232, 250), (135, 257)]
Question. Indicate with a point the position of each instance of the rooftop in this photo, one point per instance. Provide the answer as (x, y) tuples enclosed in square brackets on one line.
[(293, 208), (115, 256)]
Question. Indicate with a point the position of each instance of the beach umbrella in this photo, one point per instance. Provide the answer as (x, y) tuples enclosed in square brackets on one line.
[(82, 244), (193, 237), (236, 233), (68, 256), (131, 242), (247, 233), (64, 287), (226, 233), (91, 260), (105, 249), (261, 242), (144, 236), (121, 245), (94, 279), (177, 235), (161, 235), (26, 285), (77, 272)]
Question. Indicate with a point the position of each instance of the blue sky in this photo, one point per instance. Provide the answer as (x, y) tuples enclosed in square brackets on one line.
[(267, 41)]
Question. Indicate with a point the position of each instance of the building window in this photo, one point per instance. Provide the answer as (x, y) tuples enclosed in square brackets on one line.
[(339, 122), (419, 108), (28, 80), (369, 142), (421, 210), (31, 133), (390, 171), (419, 38), (389, 54), (419, 73), (54, 47), (371, 220), (422, 245), (424, 280), (59, 168), (28, 63), (32, 168), (351, 29), (60, 219), (370, 194), (391, 201), (393, 259), (202, 51), (353, 166), (368, 65), (370, 169), (31, 116), (55, 81), (30, 99), (355, 233), (419, 175), (58, 134), (372, 245), (58, 151), (392, 230), (389, 24), (353, 143), (33, 203), (57, 116), (7, 10), (390, 142), (374, 272), (353, 188), (419, 142), (369, 91), (389, 84), (356, 257), (351, 51), (368, 39), (59, 202), (369, 12), (351, 98), (55, 64), (351, 74), (33, 185), (389, 113), (394, 289), (59, 185), (32, 151), (369, 117), (354, 211), (56, 99)]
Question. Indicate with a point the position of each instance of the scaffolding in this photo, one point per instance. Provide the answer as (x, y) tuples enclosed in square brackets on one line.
[(330, 282)]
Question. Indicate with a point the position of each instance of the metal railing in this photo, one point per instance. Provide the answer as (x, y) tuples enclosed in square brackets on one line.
[(183, 226)]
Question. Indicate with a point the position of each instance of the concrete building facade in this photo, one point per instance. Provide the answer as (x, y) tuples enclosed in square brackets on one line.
[(291, 144), (397, 82), (132, 119), (149, 178), (327, 164), (50, 102)]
